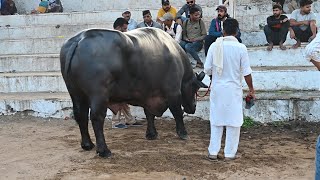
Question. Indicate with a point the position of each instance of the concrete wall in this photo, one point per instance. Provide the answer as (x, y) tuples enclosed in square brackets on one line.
[(251, 14)]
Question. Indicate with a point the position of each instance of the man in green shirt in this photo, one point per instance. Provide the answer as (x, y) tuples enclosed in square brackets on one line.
[(193, 34)]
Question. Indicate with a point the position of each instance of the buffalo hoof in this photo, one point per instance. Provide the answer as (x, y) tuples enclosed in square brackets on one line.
[(151, 136), (183, 135), (87, 146), (105, 153)]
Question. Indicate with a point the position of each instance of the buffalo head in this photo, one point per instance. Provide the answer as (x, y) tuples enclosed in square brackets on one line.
[(189, 90)]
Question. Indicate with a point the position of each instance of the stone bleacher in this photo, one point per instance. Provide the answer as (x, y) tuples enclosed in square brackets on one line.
[(30, 79)]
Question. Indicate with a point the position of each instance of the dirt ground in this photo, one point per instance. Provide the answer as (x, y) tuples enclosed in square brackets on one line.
[(37, 148)]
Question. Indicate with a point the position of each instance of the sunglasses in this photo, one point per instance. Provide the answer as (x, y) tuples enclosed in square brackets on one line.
[(190, 2)]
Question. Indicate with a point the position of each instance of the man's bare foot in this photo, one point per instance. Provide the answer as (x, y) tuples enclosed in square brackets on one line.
[(269, 48), (295, 46), (282, 47)]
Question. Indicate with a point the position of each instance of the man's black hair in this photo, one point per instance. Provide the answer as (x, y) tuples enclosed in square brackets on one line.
[(305, 2), (193, 10), (277, 6), (119, 22), (230, 26)]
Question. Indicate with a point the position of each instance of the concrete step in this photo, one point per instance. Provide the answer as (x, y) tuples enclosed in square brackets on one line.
[(265, 79), (269, 106), (259, 57), (27, 63), (95, 17), (47, 31)]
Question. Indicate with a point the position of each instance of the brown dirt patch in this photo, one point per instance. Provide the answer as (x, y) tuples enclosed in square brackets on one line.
[(37, 148)]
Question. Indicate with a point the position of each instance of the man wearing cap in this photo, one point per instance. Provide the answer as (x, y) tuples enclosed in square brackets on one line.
[(185, 9), (277, 28), (147, 21), (172, 28), (166, 8), (132, 23), (215, 30)]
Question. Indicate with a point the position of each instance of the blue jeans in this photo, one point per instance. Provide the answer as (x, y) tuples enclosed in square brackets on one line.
[(192, 48), (317, 176)]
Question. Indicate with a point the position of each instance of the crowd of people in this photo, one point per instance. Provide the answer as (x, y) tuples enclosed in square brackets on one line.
[(8, 7)]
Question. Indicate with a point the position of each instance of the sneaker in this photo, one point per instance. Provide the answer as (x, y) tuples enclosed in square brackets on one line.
[(120, 126), (136, 124)]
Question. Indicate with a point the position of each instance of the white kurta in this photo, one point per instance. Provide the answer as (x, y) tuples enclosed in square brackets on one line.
[(226, 90), (312, 50)]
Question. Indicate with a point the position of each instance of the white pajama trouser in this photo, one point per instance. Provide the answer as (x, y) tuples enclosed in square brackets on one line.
[(231, 143)]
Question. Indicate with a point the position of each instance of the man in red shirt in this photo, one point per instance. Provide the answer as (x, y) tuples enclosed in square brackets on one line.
[(277, 29)]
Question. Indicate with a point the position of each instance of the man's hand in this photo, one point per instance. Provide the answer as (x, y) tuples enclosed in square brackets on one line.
[(252, 94), (306, 23), (192, 40), (285, 20), (179, 21)]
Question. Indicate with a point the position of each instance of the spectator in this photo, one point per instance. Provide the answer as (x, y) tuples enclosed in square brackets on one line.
[(121, 24), (55, 6), (172, 28), (277, 29), (48, 6), (8, 7), (226, 63), (215, 30), (303, 23), (147, 21), (166, 8), (193, 34), (132, 23), (312, 53), (185, 9)]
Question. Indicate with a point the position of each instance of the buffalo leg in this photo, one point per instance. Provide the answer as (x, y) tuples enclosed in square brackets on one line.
[(151, 132), (97, 115), (81, 111), (175, 108)]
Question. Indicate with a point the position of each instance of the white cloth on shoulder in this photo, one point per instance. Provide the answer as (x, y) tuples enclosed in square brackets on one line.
[(312, 50), (218, 59)]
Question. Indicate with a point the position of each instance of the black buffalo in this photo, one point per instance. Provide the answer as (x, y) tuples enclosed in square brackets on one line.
[(144, 67)]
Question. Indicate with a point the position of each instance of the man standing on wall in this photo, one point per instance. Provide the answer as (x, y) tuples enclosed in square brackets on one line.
[(226, 63)]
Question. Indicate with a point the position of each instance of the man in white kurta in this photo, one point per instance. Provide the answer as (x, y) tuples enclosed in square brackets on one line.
[(227, 62), (312, 51)]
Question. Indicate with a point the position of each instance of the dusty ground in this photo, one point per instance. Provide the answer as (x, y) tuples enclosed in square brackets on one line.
[(35, 148)]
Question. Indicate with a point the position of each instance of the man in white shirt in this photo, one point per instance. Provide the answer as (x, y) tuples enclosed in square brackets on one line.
[(227, 62), (303, 24), (171, 27), (132, 23)]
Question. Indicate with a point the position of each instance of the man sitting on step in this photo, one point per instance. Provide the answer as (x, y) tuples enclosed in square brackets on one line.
[(8, 7), (303, 23), (193, 33), (277, 29), (147, 21)]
